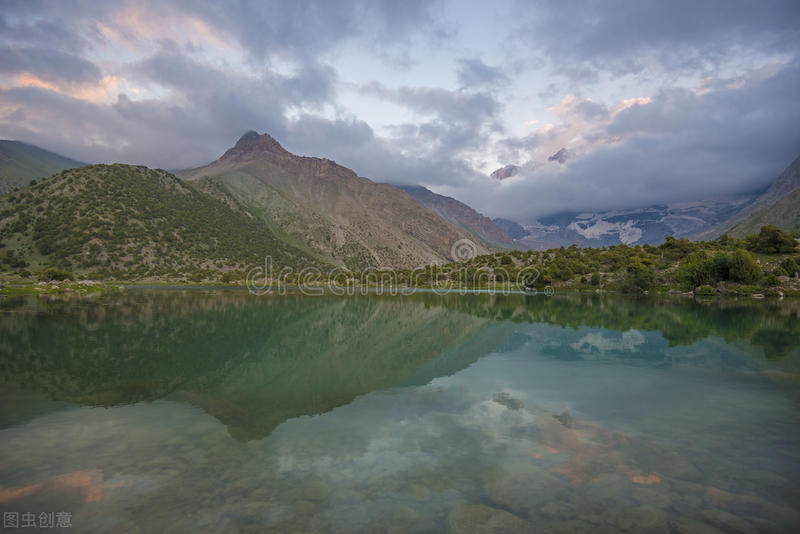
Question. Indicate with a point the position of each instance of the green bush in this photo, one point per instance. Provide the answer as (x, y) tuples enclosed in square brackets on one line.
[(52, 273), (772, 280), (780, 271), (771, 240), (744, 268), (699, 269), (231, 276), (706, 291), (790, 266), (638, 278)]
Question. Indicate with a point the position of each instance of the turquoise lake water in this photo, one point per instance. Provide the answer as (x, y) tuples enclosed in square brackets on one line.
[(216, 411)]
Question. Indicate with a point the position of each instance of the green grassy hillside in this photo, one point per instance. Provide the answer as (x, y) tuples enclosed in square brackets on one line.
[(131, 222), (784, 214), (779, 206), (20, 163)]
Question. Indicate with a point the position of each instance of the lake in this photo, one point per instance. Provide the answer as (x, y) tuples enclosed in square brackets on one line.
[(217, 411)]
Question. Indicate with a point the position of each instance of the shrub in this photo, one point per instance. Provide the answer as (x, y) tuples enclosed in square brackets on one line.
[(638, 278), (772, 280), (699, 269), (780, 271), (695, 270), (771, 240), (744, 268), (705, 291), (231, 276), (790, 266), (52, 273)]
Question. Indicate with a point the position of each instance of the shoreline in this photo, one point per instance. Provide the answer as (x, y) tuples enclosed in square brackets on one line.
[(89, 287)]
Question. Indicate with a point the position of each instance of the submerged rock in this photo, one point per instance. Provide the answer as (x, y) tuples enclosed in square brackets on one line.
[(686, 525), (729, 522), (647, 519), (524, 488), (480, 519)]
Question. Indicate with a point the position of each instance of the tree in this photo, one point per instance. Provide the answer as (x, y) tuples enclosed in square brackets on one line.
[(744, 268), (696, 270), (790, 266), (771, 240), (638, 278)]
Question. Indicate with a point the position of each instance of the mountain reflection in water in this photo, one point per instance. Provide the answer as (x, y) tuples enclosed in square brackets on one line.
[(430, 412)]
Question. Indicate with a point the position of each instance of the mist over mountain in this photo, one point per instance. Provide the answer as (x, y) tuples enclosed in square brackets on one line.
[(779, 205)]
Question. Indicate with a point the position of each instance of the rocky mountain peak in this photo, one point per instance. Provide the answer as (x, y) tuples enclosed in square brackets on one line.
[(561, 156), (505, 172), (252, 143)]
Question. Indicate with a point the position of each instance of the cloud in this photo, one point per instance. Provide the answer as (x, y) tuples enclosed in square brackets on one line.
[(190, 76), (452, 123), (582, 37), (305, 29), (47, 64), (666, 100), (475, 73), (465, 107), (677, 146), (402, 159)]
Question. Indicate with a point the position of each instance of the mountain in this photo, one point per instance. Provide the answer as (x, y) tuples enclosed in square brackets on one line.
[(631, 227), (779, 205), (739, 216), (20, 163), (561, 156), (459, 213), (327, 210), (505, 172), (515, 230), (137, 222)]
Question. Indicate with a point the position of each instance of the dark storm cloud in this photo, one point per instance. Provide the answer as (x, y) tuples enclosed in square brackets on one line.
[(624, 37), (475, 73)]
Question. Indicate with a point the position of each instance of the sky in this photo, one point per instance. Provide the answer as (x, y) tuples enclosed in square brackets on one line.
[(655, 102)]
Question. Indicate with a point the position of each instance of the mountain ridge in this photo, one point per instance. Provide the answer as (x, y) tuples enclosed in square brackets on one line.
[(459, 213), (131, 221), (22, 162), (779, 205), (328, 210)]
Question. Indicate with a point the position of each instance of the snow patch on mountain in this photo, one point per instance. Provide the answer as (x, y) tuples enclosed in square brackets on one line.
[(596, 228)]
